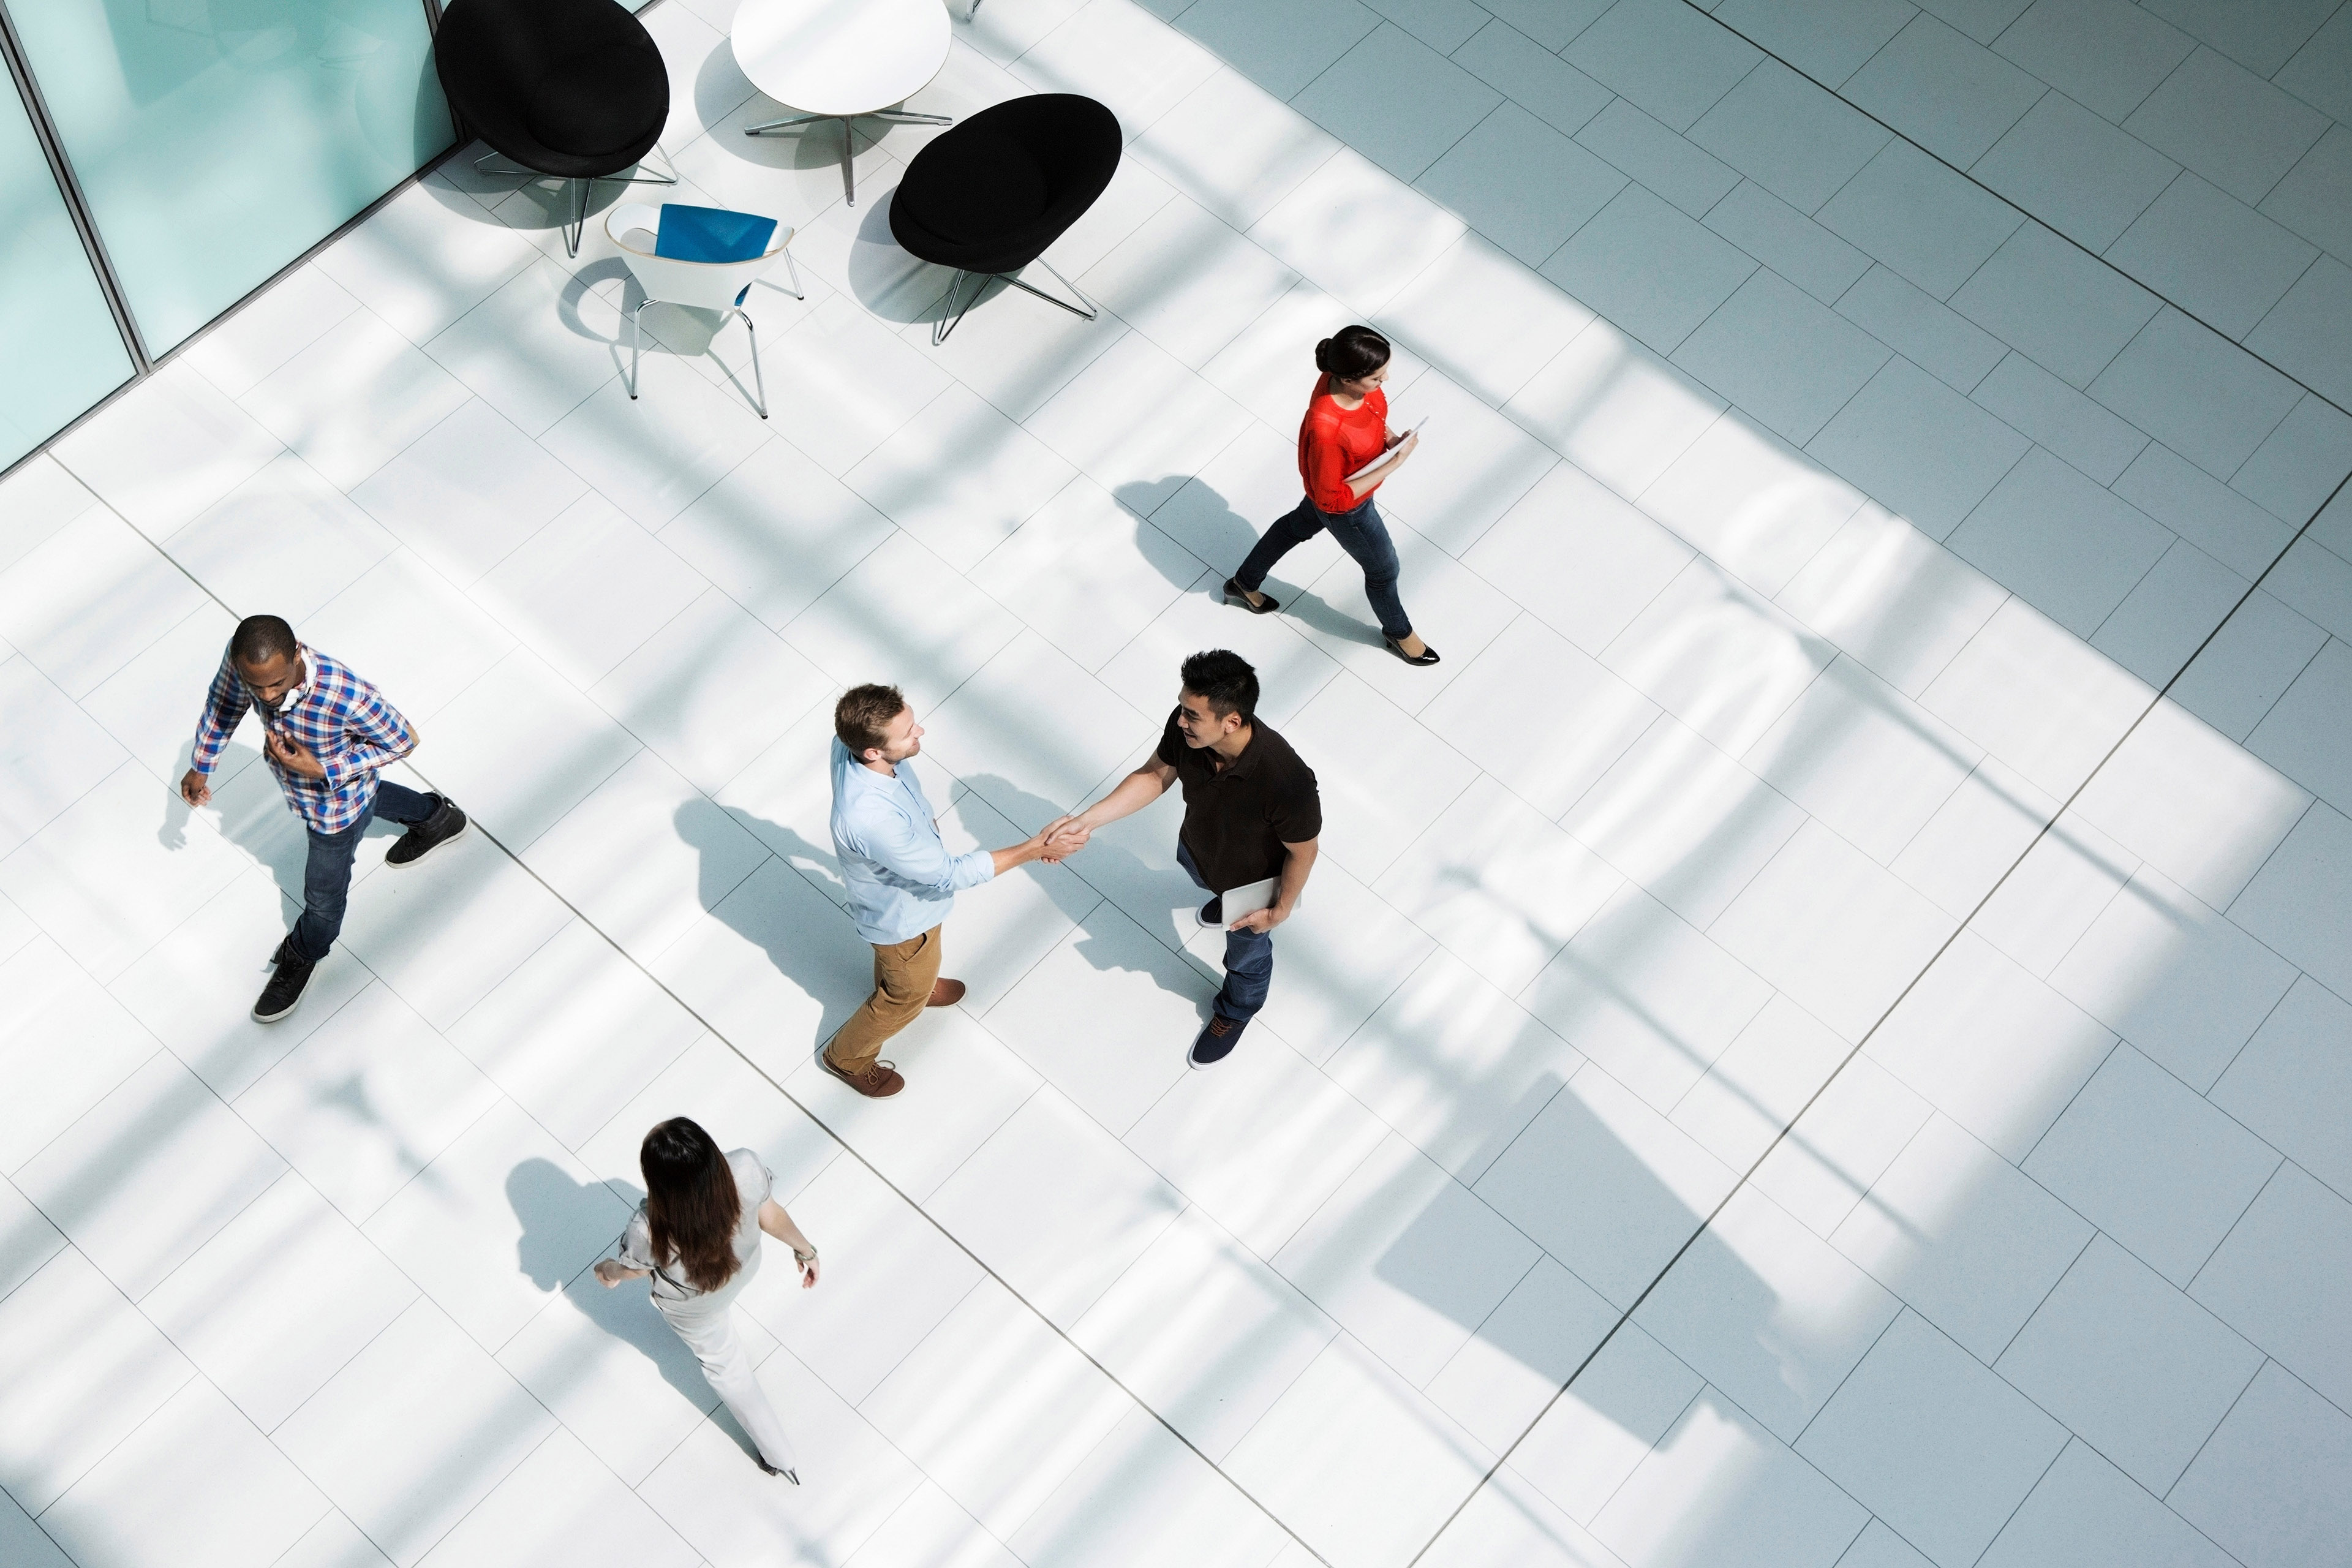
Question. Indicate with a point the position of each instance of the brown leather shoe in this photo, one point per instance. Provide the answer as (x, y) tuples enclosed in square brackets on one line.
[(945, 993), (879, 1081)]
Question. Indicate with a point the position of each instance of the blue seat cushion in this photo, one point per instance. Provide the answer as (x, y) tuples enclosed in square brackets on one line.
[(711, 234)]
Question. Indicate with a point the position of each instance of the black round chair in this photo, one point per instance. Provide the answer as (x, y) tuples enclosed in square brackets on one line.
[(572, 89), (988, 197)]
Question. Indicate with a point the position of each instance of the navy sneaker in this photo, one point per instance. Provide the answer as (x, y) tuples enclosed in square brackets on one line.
[(1216, 1041)]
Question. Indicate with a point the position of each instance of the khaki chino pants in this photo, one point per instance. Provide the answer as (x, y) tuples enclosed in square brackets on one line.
[(904, 974)]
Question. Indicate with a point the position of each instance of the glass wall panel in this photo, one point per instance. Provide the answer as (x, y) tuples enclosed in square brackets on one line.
[(217, 139), (60, 352)]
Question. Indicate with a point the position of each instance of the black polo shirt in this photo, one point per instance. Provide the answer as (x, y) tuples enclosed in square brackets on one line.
[(1238, 817)]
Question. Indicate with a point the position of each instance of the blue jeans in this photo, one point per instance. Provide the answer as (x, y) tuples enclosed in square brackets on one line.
[(1249, 959), (326, 880), (1360, 534)]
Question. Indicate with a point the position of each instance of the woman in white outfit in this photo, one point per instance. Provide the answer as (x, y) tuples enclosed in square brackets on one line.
[(697, 1234)]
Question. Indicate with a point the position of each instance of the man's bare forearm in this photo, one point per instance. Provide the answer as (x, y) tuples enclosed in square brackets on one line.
[(1136, 791)]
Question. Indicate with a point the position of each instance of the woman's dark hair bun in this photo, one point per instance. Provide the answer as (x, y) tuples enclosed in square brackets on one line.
[(1351, 353)]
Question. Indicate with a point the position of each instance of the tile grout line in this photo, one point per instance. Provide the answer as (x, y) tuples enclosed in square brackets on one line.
[(1962, 926)]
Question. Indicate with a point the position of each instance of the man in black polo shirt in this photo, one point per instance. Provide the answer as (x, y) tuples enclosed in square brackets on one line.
[(1251, 814)]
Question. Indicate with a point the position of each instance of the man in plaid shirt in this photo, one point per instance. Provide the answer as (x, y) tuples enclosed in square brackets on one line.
[(325, 733)]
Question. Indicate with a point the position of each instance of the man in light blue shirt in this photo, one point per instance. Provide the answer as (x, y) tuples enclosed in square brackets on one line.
[(902, 882)]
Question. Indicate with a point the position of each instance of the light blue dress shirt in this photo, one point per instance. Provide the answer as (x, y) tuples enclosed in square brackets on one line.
[(902, 881)]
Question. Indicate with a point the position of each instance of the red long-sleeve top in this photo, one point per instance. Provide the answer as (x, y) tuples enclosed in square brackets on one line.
[(1334, 442)]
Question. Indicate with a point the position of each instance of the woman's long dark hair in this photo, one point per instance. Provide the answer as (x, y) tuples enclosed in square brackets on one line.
[(691, 1203), (1351, 353)]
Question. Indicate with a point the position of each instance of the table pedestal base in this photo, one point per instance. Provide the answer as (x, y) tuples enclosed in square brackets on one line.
[(848, 147)]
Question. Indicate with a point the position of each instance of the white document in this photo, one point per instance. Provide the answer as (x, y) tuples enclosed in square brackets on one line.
[(1383, 458), (1248, 898)]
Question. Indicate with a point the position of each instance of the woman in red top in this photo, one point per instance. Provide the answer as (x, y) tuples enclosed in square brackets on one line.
[(1340, 447)]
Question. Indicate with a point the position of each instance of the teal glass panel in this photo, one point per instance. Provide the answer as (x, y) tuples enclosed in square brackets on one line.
[(58, 350), (217, 139)]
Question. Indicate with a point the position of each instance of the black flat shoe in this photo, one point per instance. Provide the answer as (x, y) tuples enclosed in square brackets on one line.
[(1237, 595), (1428, 654)]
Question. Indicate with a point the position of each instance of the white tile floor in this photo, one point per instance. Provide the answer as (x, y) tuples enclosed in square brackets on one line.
[(1821, 1034)]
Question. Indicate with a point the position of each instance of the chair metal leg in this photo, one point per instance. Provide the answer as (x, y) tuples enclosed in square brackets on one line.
[(579, 224), (974, 13), (637, 344), (759, 377), (1086, 310), (949, 323), (799, 291)]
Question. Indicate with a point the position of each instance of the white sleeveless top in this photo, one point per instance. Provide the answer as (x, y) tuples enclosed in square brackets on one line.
[(752, 1185)]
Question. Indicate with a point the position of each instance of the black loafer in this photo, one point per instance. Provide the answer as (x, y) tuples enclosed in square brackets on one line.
[(445, 822), (1428, 654), (1237, 595)]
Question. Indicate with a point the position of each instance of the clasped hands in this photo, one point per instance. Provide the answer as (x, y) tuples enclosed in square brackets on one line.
[(1060, 838)]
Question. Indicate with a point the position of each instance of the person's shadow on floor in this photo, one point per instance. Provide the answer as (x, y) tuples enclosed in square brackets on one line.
[(1198, 517), (810, 940)]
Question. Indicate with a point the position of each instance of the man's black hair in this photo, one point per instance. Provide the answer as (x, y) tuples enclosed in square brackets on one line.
[(259, 638), (1226, 680)]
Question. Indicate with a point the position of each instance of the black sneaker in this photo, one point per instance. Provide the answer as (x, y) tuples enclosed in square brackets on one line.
[(1212, 913), (1216, 1041), (284, 992), (445, 822)]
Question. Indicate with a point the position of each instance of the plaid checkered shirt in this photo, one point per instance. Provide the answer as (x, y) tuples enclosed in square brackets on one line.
[(335, 716)]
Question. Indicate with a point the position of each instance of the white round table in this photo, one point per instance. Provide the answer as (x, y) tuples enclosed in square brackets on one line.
[(842, 60)]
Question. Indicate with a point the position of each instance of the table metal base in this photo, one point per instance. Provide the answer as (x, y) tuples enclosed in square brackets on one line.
[(848, 143)]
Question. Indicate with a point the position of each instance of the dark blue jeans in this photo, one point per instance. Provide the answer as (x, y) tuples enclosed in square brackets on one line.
[(326, 880), (1249, 960), (1360, 534)]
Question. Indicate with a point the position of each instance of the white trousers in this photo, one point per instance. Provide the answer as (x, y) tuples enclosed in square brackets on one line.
[(711, 1336)]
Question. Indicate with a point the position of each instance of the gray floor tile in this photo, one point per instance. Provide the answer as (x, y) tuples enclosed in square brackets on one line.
[(2106, 55), (2261, 35), (2061, 418), (2268, 1486), (1397, 101), (1793, 138), (2064, 545), (2292, 1083), (2062, 307), (2212, 255), (2300, 902), (2140, 1371), (2304, 734), (2086, 1513), (1664, 161), (1951, 95), (1787, 242), (1487, 175), (2200, 509), (2315, 200), (1280, 48), (2299, 465), (2075, 172), (1648, 269), (2170, 613), (1781, 355), (2196, 391), (2218, 117), (1934, 226), (2153, 1163), (1552, 23), (1984, 20), (2317, 583), (1926, 1438), (2282, 1277), (2308, 334), (1532, 77), (1959, 352), (2240, 675), (2321, 71), (1827, 39), (1665, 56), (1918, 447), (1443, 25)]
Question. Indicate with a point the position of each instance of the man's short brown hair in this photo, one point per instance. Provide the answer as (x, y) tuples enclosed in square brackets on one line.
[(863, 714)]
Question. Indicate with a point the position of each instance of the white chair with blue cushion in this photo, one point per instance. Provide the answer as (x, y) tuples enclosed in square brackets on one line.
[(706, 258)]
